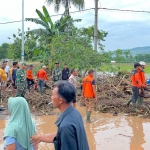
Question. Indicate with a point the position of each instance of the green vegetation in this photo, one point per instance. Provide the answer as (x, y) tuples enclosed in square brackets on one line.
[(62, 41), (122, 67)]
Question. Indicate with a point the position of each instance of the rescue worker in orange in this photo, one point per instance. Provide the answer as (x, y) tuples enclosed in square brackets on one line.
[(29, 76), (42, 77), (89, 94), (136, 85), (143, 80)]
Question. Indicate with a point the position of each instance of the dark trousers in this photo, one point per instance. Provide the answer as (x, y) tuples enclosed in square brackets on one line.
[(41, 85), (135, 94), (30, 82)]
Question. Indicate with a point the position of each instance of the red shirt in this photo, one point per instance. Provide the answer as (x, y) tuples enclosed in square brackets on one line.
[(42, 74)]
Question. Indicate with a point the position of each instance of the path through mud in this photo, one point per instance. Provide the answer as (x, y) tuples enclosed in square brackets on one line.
[(107, 132)]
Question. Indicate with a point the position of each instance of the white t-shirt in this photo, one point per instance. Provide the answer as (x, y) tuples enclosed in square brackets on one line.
[(7, 69), (73, 80)]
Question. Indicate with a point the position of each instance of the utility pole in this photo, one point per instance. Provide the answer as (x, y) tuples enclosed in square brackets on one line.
[(96, 32), (22, 52)]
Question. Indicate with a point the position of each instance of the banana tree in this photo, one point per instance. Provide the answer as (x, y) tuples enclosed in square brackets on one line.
[(50, 29)]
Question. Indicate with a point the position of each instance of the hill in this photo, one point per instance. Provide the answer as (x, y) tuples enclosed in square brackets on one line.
[(139, 50)]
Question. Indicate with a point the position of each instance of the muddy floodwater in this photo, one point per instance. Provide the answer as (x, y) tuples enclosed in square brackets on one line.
[(107, 132)]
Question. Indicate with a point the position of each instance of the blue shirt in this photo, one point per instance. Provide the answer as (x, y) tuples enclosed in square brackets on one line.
[(71, 133), (11, 140)]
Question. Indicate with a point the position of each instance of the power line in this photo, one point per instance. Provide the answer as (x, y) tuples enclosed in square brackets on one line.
[(127, 10), (107, 9), (51, 16)]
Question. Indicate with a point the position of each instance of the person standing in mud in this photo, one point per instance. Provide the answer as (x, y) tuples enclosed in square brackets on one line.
[(21, 81), (65, 73), (3, 76), (136, 85), (42, 77), (56, 73), (13, 72), (143, 80), (3, 81), (73, 81), (89, 93), (71, 133)]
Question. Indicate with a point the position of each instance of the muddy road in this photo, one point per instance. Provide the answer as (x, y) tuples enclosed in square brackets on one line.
[(107, 132)]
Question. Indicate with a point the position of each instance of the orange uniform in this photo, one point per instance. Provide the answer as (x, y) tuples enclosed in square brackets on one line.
[(142, 74), (42, 75), (29, 74), (136, 79), (87, 84)]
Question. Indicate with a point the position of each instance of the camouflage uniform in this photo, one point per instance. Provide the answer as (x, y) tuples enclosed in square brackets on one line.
[(21, 83), (56, 74)]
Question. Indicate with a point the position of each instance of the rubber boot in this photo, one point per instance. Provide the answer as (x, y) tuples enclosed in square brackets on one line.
[(141, 100), (128, 103), (134, 107), (89, 116)]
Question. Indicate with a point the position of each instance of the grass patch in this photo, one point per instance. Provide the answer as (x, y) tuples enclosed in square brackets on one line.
[(123, 67)]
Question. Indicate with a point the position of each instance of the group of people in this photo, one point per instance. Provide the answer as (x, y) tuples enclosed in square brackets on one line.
[(21, 133), (138, 82), (89, 95)]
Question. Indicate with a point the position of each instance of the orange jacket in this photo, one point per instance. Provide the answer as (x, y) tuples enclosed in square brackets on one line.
[(87, 85), (29, 74), (136, 79), (42, 74), (142, 74)]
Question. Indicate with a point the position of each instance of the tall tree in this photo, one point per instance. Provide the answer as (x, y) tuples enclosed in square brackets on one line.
[(66, 4)]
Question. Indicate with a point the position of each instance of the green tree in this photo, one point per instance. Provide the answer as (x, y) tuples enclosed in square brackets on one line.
[(29, 44), (50, 29), (4, 51), (89, 33), (79, 4), (76, 51)]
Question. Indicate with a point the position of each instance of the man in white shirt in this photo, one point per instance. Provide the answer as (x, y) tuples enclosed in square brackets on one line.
[(73, 81), (7, 69)]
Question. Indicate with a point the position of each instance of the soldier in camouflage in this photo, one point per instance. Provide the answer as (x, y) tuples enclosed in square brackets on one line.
[(56, 73), (21, 81)]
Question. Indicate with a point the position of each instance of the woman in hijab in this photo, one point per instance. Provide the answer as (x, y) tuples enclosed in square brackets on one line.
[(20, 126)]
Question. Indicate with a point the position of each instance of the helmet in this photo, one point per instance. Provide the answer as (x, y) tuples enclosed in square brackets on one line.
[(142, 63)]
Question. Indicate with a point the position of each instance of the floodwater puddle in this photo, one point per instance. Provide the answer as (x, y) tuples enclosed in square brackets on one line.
[(107, 132)]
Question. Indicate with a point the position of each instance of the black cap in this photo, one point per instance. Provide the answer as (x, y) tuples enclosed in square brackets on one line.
[(56, 62), (136, 65), (5, 61), (31, 65)]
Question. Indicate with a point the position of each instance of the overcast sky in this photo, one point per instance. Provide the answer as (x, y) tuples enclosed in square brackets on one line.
[(125, 29)]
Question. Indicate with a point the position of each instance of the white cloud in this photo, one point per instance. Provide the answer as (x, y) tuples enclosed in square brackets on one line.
[(112, 21)]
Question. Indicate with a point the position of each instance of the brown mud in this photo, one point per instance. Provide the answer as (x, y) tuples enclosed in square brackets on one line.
[(107, 132)]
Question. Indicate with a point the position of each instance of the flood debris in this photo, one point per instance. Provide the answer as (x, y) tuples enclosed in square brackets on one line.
[(113, 94)]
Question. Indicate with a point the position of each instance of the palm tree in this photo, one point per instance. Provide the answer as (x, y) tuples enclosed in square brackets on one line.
[(66, 3)]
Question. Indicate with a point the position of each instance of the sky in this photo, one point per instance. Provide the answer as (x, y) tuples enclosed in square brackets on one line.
[(125, 29)]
